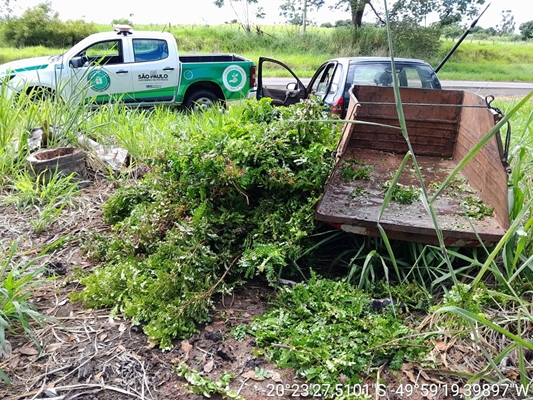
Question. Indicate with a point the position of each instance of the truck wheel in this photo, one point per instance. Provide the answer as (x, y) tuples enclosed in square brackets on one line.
[(37, 94), (201, 100)]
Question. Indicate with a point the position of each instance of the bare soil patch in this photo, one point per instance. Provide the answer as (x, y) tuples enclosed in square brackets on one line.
[(90, 354)]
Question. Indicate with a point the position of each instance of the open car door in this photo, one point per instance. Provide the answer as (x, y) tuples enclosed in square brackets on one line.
[(280, 95)]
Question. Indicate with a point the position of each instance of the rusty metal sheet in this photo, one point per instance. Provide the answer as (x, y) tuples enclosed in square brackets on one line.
[(442, 126), (357, 203)]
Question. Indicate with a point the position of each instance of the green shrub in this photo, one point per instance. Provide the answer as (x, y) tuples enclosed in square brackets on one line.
[(39, 26), (411, 40)]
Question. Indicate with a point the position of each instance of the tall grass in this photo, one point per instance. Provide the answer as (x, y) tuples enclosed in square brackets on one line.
[(18, 277)]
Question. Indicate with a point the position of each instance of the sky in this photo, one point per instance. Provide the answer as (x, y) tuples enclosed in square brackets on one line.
[(205, 12)]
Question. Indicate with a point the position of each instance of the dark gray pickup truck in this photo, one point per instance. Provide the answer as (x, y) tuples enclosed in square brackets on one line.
[(333, 79)]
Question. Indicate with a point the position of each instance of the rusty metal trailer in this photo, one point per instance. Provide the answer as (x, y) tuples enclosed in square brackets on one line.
[(443, 126)]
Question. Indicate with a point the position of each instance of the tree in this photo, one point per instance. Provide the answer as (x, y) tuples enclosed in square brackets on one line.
[(41, 26), (5, 8), (244, 16), (295, 11), (356, 9), (449, 11), (452, 31), (507, 24), (526, 30)]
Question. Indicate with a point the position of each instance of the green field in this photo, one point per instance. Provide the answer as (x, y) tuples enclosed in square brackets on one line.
[(490, 60)]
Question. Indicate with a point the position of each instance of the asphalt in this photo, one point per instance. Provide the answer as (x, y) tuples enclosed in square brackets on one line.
[(483, 88)]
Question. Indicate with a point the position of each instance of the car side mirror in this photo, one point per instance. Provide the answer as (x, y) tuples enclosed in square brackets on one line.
[(291, 86), (77, 62)]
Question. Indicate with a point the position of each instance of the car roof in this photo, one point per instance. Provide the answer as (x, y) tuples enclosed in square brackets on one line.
[(143, 34), (369, 59)]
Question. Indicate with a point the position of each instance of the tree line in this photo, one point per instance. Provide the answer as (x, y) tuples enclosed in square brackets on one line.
[(448, 11), (40, 25), (450, 14)]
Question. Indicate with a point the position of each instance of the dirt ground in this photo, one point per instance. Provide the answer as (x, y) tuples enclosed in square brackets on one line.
[(87, 354)]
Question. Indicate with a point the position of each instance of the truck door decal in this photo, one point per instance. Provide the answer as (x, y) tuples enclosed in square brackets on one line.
[(234, 78), (99, 80)]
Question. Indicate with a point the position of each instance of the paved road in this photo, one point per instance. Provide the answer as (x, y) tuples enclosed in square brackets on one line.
[(496, 89), (483, 88)]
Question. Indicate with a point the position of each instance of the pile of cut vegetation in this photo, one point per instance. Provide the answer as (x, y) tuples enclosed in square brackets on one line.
[(232, 200)]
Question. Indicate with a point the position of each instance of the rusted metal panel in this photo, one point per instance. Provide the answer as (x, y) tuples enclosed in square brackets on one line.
[(485, 170), (454, 123)]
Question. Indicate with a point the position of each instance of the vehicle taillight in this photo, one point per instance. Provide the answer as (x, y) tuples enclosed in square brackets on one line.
[(253, 77), (337, 107)]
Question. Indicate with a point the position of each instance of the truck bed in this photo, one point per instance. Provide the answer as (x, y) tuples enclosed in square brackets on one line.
[(210, 58), (443, 126)]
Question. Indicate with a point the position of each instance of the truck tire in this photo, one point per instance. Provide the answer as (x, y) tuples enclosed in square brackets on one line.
[(38, 93), (201, 100)]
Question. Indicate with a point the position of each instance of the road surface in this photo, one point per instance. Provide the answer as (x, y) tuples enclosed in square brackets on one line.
[(483, 88)]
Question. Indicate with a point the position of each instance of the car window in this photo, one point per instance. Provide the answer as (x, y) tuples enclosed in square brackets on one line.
[(367, 74), (321, 84), (150, 49), (415, 76), (336, 80), (104, 53)]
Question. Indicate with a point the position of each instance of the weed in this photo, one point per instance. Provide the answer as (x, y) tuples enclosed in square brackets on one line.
[(18, 278), (56, 190)]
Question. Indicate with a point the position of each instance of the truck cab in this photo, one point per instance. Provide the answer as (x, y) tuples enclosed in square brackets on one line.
[(135, 67), (121, 65)]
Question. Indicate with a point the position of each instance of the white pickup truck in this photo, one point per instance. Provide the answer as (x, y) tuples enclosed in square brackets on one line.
[(138, 67)]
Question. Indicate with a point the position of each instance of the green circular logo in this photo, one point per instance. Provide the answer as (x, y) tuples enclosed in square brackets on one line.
[(234, 78), (99, 80)]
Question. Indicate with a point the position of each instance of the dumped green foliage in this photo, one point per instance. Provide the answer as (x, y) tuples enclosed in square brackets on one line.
[(350, 174), (352, 170), (233, 200), (196, 383), (404, 194), (359, 192), (326, 329), (475, 208)]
